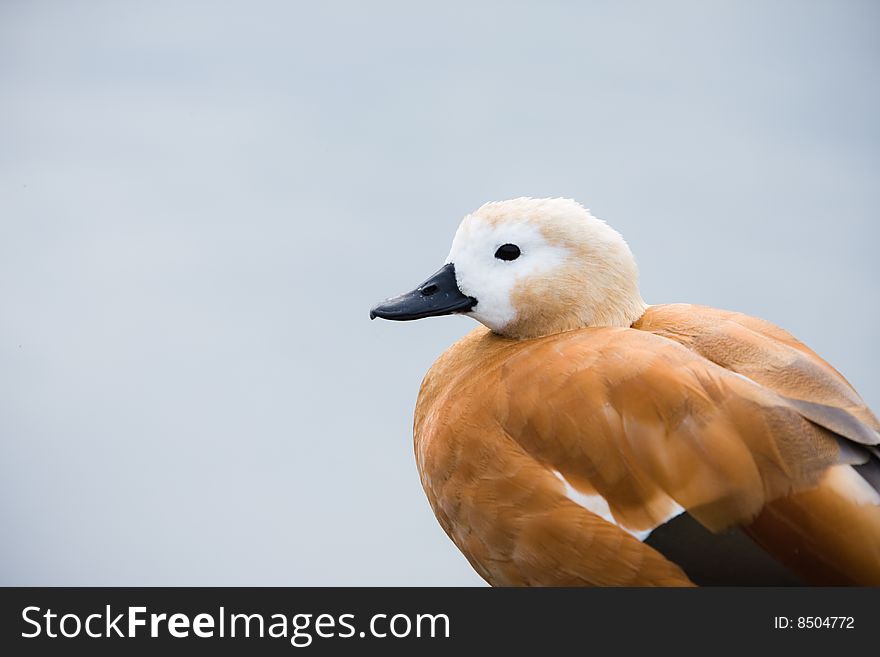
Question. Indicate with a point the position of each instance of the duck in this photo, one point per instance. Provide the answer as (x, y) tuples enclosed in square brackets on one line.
[(581, 437)]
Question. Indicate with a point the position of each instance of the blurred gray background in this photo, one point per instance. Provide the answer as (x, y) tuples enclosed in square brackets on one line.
[(200, 201)]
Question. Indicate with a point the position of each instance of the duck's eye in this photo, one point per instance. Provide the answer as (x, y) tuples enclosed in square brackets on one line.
[(507, 252)]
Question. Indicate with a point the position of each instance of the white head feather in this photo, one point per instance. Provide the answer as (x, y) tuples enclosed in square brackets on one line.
[(574, 270)]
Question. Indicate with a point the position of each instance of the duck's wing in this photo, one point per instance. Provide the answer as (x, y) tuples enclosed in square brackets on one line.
[(770, 356), (651, 426), (798, 528)]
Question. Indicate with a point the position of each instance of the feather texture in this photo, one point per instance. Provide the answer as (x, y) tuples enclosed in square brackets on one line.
[(725, 415)]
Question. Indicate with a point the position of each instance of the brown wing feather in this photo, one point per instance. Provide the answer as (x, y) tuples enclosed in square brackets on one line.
[(822, 535), (644, 421), (768, 355)]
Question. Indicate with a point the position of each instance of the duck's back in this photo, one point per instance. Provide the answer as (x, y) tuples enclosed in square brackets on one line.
[(760, 351)]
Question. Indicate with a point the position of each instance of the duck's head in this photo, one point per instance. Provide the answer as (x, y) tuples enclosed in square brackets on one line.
[(530, 267)]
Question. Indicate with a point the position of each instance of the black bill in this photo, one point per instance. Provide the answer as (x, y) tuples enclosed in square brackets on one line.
[(439, 295)]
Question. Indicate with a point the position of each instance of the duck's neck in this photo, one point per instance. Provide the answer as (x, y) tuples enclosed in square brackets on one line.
[(621, 312)]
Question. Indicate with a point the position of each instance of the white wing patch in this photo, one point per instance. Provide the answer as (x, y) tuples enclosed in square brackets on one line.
[(599, 505), (847, 483)]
